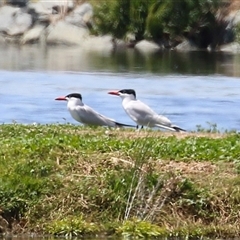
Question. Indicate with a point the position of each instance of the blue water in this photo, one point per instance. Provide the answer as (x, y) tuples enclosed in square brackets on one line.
[(187, 100)]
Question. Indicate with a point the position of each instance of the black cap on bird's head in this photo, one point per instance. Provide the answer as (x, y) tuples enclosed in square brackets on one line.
[(123, 92), (128, 91), (71, 95), (74, 95)]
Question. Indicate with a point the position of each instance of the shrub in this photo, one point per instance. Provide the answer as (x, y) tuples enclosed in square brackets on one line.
[(121, 16), (194, 19)]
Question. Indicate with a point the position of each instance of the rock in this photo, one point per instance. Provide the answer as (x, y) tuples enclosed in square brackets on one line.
[(41, 14), (22, 22), (81, 16), (186, 46), (145, 46), (103, 45), (50, 10), (231, 47), (6, 16), (39, 8), (33, 34), (14, 20), (57, 5), (65, 33)]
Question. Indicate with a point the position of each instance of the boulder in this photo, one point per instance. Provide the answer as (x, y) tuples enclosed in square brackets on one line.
[(186, 46), (46, 9), (65, 33), (14, 21), (7, 17), (33, 34), (39, 8), (22, 22), (55, 6), (146, 47), (81, 16), (231, 47), (99, 44)]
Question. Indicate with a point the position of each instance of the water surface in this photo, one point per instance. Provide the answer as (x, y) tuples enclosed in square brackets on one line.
[(197, 88)]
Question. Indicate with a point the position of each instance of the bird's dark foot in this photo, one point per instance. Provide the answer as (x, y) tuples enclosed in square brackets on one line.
[(137, 127)]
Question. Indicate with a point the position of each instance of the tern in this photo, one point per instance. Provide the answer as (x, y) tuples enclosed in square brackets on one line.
[(85, 114), (141, 113)]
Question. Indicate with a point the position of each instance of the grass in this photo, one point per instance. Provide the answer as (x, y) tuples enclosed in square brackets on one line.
[(69, 180)]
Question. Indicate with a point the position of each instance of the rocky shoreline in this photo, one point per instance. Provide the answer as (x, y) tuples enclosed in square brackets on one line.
[(51, 23), (69, 23)]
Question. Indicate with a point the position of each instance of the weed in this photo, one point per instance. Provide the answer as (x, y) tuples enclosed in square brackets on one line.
[(72, 227), (136, 228)]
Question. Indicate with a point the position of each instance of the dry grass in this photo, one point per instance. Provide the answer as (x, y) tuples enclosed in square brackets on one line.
[(135, 134)]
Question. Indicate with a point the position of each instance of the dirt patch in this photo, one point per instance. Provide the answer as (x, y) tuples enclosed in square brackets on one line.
[(144, 134), (187, 167), (200, 171)]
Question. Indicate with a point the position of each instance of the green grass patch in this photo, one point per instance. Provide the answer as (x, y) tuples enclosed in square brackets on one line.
[(69, 180)]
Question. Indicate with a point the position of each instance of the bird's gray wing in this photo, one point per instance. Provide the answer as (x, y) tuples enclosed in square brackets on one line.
[(141, 113), (91, 117)]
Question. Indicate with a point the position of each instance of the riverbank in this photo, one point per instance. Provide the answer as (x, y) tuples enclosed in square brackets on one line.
[(80, 181)]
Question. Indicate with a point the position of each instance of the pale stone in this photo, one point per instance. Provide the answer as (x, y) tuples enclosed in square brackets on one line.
[(65, 33), (6, 16), (145, 46), (104, 44), (33, 34), (47, 9), (22, 22), (186, 46), (231, 47), (81, 15)]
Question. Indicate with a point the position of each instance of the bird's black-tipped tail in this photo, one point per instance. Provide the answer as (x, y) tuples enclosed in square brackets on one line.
[(124, 125), (178, 129)]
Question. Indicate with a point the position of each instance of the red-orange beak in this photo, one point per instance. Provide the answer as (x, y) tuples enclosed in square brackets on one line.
[(61, 99), (114, 93)]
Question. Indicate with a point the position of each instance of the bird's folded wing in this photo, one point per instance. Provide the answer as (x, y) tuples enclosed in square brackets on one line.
[(91, 117)]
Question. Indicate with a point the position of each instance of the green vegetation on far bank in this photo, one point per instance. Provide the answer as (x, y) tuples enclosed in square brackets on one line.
[(79, 181), (166, 22)]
